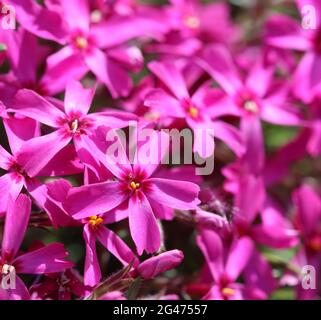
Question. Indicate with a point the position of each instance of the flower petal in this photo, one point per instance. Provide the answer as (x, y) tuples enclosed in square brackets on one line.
[(20, 130), (284, 32), (110, 73), (229, 135), (218, 62), (143, 225), (239, 255), (164, 103), (77, 14), (78, 98), (62, 67), (32, 105), (94, 199), (5, 158), (39, 20), (15, 226), (116, 246), (174, 193), (92, 273), (36, 153), (171, 77), (48, 259), (308, 204), (10, 187), (212, 248), (154, 266)]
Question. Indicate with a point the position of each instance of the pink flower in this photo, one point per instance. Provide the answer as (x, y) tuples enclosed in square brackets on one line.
[(25, 56), (256, 96), (134, 191), (71, 121), (225, 268), (252, 99), (274, 230), (93, 229), (286, 33), (308, 218), (195, 20), (48, 259), (154, 266), (196, 110), (87, 47), (19, 130)]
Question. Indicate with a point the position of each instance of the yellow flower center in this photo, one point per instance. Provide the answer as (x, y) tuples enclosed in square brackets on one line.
[(192, 22), (74, 126), (193, 112), (251, 106), (228, 292), (95, 221), (134, 185), (81, 42)]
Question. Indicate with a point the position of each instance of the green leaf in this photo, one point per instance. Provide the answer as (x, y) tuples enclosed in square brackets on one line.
[(278, 136), (283, 294), (3, 47), (133, 291), (281, 257)]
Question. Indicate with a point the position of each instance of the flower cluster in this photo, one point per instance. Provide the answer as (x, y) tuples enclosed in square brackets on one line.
[(86, 215)]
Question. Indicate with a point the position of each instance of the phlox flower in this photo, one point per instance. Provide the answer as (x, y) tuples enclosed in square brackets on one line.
[(243, 180), (286, 33), (25, 56), (134, 191), (226, 267), (156, 265), (94, 229), (20, 129), (255, 98), (191, 28), (195, 109), (48, 259), (86, 45), (70, 121), (195, 20), (307, 217), (308, 220)]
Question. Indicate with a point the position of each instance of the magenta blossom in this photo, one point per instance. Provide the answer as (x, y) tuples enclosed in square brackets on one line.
[(20, 130), (48, 259), (191, 28), (243, 180), (25, 56), (195, 20), (225, 268), (254, 98), (94, 229), (154, 266), (86, 43), (195, 109), (286, 33), (72, 122), (308, 219), (136, 192)]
